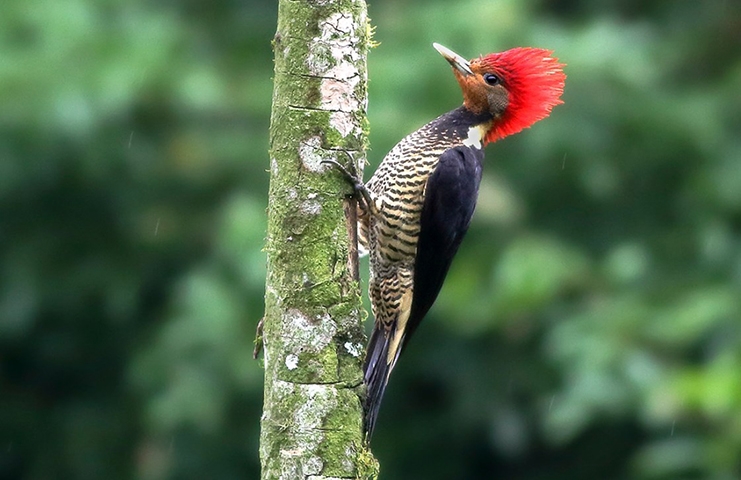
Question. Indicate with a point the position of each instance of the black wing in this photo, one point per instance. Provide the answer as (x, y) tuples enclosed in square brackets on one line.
[(450, 200)]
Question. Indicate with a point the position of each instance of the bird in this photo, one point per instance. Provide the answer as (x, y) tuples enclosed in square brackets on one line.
[(416, 208)]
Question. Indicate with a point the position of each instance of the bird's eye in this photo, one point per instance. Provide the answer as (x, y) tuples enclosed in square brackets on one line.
[(492, 79)]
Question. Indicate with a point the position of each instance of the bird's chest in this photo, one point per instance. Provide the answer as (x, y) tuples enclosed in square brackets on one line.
[(399, 199)]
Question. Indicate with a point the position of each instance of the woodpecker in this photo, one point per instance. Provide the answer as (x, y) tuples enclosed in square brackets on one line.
[(416, 208)]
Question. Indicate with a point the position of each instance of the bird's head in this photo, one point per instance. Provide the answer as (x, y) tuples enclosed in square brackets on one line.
[(517, 87)]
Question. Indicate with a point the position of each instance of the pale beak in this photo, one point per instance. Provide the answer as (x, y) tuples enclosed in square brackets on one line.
[(458, 62)]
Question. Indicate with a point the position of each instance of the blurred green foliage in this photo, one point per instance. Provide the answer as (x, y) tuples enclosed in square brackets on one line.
[(590, 328)]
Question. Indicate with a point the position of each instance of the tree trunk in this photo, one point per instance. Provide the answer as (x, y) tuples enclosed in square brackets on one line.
[(312, 333)]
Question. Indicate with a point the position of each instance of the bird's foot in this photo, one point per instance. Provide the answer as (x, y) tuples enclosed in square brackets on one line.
[(351, 177)]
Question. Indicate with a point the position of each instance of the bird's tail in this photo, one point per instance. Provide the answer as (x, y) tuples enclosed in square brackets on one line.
[(377, 369)]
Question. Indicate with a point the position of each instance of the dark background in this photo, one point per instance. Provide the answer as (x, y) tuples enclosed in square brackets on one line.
[(590, 327)]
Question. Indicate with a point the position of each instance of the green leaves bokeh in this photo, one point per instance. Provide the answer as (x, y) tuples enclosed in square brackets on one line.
[(591, 324)]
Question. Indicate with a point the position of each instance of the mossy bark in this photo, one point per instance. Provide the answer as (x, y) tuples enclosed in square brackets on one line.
[(312, 333)]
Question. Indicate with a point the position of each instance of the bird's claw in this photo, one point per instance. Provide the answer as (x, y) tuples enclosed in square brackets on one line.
[(352, 178)]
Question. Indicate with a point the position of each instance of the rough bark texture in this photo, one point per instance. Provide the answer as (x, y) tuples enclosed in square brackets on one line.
[(312, 333)]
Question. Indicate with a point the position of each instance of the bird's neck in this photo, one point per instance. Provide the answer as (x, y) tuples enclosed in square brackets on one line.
[(463, 126)]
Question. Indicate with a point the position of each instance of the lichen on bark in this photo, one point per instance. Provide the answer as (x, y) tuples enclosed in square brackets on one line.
[(312, 331)]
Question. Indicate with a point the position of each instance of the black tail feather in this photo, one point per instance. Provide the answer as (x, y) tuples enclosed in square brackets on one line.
[(377, 369)]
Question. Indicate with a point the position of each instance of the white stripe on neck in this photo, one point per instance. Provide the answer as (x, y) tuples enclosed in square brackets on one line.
[(475, 137)]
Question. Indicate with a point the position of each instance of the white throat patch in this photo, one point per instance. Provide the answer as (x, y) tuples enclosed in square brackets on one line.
[(475, 137)]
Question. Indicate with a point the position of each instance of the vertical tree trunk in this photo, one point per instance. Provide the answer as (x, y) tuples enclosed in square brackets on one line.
[(312, 333)]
